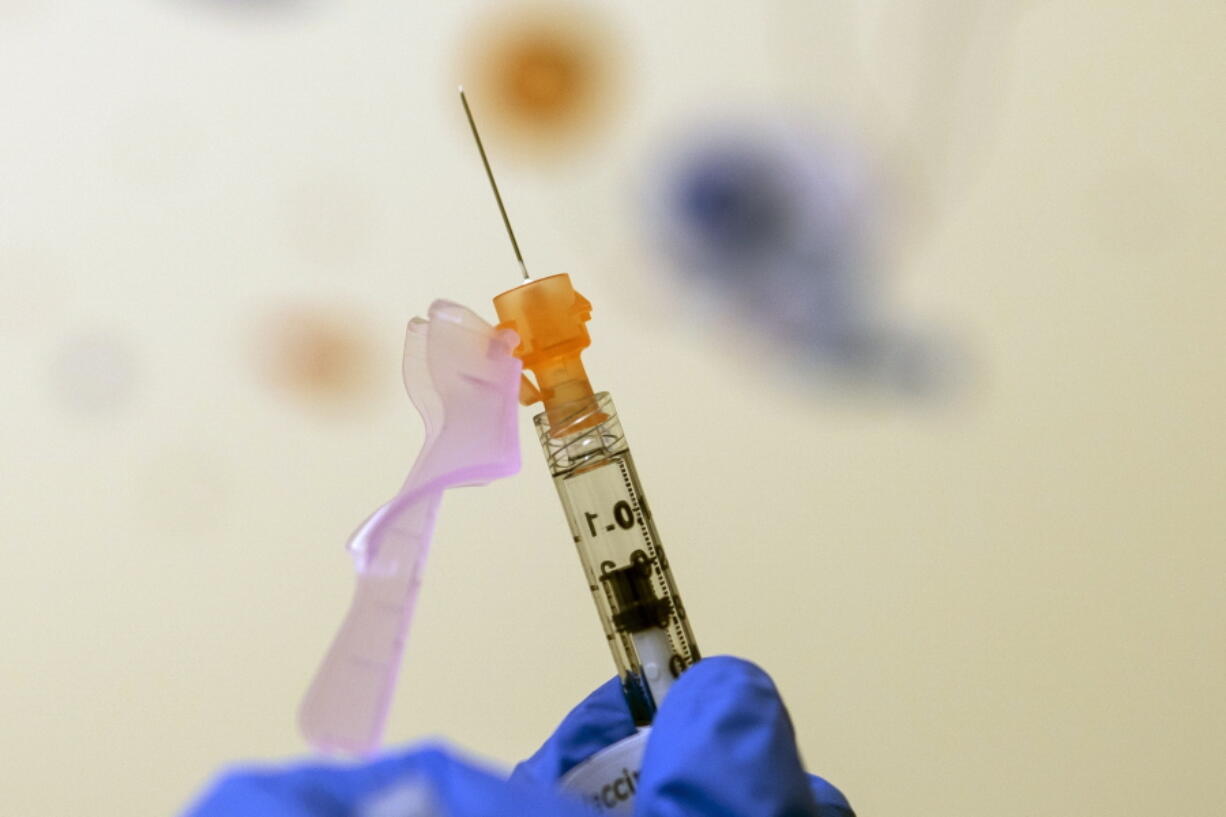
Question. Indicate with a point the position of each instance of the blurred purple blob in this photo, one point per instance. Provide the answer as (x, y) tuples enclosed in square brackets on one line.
[(786, 228)]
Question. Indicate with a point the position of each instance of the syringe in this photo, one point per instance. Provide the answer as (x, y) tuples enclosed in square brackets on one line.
[(585, 448), (610, 521)]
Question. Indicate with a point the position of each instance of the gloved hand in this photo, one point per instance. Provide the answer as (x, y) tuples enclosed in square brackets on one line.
[(721, 745)]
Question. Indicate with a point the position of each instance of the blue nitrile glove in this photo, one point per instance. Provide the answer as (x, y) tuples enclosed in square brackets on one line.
[(422, 782), (722, 745)]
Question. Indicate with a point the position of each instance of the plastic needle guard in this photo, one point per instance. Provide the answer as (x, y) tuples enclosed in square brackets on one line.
[(462, 378)]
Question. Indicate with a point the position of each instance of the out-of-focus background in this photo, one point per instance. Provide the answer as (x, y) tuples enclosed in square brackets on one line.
[(913, 311)]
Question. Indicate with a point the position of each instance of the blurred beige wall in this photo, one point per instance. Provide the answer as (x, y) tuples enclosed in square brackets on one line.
[(1009, 604)]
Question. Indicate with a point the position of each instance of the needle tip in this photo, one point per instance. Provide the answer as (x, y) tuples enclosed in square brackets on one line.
[(489, 174)]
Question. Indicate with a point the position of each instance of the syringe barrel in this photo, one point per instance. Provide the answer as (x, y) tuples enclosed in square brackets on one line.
[(613, 530)]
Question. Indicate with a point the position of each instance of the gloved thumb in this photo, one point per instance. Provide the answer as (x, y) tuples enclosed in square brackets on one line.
[(600, 720), (722, 745)]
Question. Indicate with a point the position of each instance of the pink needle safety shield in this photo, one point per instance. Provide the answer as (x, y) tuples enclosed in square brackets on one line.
[(461, 376)]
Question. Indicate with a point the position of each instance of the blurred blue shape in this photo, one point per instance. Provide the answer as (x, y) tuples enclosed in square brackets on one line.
[(735, 204), (786, 229)]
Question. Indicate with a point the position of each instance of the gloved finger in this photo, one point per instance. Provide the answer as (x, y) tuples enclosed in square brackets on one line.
[(829, 799), (600, 720), (722, 744), (424, 782)]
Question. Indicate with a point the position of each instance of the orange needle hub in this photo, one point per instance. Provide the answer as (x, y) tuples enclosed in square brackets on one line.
[(551, 318)]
